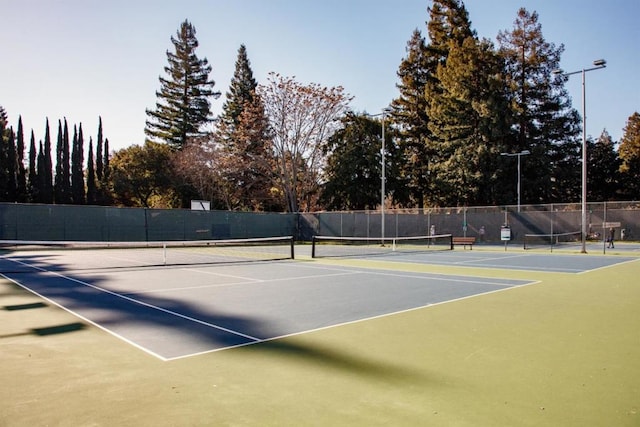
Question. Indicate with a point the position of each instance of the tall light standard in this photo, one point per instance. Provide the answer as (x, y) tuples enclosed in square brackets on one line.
[(383, 177), (522, 153), (598, 64)]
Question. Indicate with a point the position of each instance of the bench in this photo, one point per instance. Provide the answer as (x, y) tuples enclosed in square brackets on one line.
[(464, 241)]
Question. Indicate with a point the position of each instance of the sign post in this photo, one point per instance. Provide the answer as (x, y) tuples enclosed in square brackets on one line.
[(505, 235)]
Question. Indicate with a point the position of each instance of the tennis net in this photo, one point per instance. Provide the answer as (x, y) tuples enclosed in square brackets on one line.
[(533, 241), (331, 246), (92, 255)]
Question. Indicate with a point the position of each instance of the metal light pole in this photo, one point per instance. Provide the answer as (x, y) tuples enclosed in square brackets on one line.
[(598, 64), (383, 177), (522, 153)]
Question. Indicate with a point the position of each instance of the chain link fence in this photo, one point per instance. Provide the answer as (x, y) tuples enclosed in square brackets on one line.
[(99, 223)]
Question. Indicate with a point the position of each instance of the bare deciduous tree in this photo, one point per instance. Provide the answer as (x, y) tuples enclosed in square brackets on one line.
[(302, 117)]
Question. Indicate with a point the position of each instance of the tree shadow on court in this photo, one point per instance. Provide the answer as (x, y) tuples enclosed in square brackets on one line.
[(173, 328), (323, 356)]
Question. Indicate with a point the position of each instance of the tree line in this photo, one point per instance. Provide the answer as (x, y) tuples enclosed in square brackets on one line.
[(463, 102), (35, 179)]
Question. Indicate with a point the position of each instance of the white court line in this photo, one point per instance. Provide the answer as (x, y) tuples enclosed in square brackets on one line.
[(608, 266), (420, 275), (248, 282)]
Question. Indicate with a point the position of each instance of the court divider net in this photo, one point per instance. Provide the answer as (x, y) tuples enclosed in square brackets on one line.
[(533, 241), (103, 254), (332, 246)]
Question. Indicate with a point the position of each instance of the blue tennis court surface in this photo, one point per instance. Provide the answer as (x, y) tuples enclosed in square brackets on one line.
[(178, 311), (173, 312), (515, 260)]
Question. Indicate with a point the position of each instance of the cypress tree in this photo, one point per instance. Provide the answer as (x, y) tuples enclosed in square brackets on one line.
[(91, 176), (40, 171), (47, 178), (34, 196), (182, 107), (11, 166), (99, 158), (58, 190), (63, 175), (78, 196), (21, 176), (4, 171)]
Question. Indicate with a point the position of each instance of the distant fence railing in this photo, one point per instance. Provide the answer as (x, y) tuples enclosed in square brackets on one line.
[(483, 222), (100, 223)]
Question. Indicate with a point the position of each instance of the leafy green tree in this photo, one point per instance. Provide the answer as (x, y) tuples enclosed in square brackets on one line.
[(629, 152), (603, 179), (352, 175), (141, 176), (183, 108), (352, 179), (544, 121)]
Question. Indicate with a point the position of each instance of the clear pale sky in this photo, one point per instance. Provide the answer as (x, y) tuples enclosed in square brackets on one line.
[(81, 59)]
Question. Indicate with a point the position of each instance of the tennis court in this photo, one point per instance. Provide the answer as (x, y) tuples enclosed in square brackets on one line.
[(462, 337), (495, 257), (177, 311)]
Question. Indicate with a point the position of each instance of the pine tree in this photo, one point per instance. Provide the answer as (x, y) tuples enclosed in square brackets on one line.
[(545, 123), (241, 93), (469, 123), (183, 107), (410, 114), (448, 25), (243, 133)]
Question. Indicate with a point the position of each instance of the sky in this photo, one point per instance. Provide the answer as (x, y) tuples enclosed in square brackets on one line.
[(84, 59)]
